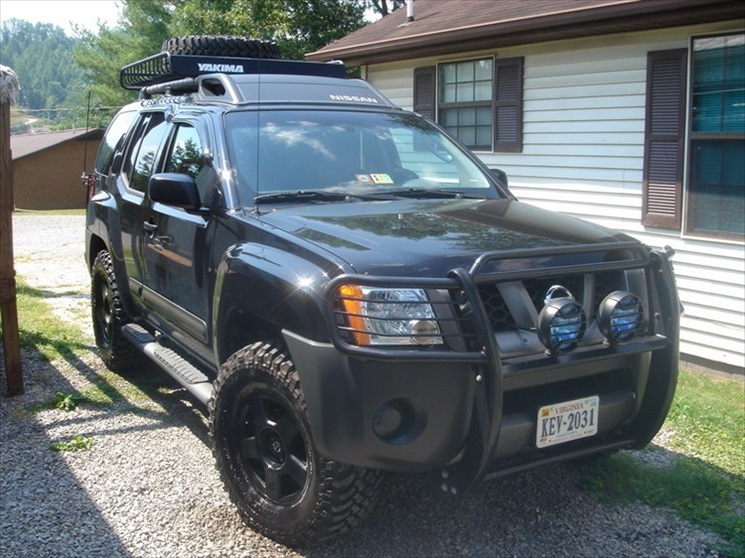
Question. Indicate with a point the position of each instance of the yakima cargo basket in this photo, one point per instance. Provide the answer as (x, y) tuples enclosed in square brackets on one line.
[(165, 67)]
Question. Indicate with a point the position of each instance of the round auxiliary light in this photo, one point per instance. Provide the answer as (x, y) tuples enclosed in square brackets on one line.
[(561, 325), (424, 332), (620, 316)]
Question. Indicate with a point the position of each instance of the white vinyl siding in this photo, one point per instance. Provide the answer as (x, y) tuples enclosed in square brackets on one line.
[(583, 154)]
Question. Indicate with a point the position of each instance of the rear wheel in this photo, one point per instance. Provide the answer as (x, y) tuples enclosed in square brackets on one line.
[(267, 459), (221, 45), (109, 316)]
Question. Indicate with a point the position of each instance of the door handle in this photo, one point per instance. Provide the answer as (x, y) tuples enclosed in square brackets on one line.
[(150, 226)]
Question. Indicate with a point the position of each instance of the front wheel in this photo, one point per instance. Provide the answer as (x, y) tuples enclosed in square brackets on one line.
[(267, 459)]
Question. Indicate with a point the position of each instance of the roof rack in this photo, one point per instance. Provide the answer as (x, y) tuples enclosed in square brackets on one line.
[(166, 67)]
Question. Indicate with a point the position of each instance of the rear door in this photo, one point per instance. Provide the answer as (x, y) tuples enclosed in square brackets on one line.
[(139, 161)]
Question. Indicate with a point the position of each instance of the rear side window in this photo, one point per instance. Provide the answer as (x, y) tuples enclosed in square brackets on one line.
[(113, 140), (142, 161)]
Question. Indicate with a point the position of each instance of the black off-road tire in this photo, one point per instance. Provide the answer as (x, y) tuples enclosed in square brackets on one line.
[(109, 316), (267, 458), (221, 45)]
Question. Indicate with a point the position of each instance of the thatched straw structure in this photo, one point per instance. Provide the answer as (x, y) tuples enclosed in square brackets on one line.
[(9, 85)]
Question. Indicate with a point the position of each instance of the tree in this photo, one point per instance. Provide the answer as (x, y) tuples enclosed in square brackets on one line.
[(384, 7), (142, 28), (40, 55), (298, 26)]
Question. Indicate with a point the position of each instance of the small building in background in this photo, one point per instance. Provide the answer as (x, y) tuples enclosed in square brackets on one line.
[(47, 168)]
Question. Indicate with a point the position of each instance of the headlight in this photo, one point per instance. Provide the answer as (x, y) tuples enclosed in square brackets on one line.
[(383, 316)]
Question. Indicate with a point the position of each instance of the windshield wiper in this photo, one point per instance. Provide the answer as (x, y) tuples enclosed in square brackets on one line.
[(301, 197), (425, 193)]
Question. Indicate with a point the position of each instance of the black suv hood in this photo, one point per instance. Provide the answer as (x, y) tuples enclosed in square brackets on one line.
[(430, 237)]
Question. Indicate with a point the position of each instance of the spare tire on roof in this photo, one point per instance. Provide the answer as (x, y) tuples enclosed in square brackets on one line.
[(221, 45)]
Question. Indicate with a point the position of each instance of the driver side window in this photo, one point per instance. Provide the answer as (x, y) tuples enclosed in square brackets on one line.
[(185, 157)]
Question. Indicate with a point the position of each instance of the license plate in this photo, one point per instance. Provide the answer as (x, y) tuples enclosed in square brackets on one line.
[(567, 421)]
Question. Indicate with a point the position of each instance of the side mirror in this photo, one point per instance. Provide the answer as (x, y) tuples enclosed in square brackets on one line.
[(174, 189), (501, 177)]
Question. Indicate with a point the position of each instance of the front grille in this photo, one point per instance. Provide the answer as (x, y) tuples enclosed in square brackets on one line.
[(496, 308)]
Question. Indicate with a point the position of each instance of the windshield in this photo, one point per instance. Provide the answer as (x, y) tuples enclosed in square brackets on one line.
[(346, 153)]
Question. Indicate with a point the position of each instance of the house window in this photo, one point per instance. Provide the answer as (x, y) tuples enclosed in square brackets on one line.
[(477, 101), (465, 102), (716, 178)]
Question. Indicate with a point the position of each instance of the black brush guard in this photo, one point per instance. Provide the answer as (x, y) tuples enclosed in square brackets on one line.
[(483, 352)]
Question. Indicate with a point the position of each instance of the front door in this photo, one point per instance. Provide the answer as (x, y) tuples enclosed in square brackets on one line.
[(176, 267)]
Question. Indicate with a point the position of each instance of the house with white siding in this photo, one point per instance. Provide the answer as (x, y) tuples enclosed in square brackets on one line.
[(628, 113)]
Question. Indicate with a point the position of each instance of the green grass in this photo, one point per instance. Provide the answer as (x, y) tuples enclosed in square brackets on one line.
[(55, 339), (78, 443), (706, 484)]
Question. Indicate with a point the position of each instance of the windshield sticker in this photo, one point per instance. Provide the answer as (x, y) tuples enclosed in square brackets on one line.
[(363, 178), (381, 178)]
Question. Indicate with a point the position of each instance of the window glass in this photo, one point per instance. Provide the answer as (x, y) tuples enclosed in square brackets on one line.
[(345, 152), (719, 84), (186, 156), (113, 140), (465, 90), (716, 202), (142, 159)]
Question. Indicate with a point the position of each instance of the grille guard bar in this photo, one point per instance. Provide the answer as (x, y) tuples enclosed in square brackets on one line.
[(483, 435)]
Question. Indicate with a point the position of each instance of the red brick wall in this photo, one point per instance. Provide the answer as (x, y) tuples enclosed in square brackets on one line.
[(50, 179)]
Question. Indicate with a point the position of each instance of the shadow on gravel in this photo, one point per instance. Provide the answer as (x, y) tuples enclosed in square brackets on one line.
[(541, 512), (46, 511)]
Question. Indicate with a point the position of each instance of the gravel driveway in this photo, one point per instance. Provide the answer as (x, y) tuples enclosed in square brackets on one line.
[(148, 486)]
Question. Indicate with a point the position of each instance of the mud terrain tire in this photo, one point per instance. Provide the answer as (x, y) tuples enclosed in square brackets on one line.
[(266, 457)]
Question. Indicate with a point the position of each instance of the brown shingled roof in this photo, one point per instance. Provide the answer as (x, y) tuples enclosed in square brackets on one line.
[(450, 26), (22, 145)]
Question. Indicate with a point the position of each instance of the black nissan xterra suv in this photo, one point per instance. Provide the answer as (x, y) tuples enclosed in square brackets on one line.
[(350, 291)]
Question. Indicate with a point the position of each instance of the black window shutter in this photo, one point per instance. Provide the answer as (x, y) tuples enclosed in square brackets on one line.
[(424, 91), (508, 105), (662, 179)]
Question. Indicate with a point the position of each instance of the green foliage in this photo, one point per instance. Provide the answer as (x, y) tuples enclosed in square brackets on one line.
[(65, 401), (52, 85), (58, 72), (384, 7), (297, 26), (141, 31), (78, 443)]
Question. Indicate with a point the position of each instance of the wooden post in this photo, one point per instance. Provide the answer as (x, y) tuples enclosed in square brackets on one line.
[(8, 308)]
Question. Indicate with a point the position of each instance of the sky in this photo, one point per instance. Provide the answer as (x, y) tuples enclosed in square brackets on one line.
[(62, 13)]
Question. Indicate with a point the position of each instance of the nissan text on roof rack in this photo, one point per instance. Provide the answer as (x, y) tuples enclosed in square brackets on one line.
[(351, 292)]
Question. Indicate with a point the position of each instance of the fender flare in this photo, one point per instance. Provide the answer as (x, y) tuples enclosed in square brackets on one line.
[(273, 287)]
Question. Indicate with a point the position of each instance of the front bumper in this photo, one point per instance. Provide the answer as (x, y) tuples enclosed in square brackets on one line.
[(471, 408)]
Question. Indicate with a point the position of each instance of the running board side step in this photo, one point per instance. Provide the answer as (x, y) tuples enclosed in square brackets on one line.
[(169, 360)]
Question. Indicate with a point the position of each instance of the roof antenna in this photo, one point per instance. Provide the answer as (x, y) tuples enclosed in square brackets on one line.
[(86, 179)]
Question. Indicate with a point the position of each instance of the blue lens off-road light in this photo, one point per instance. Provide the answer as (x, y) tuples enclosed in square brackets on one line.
[(620, 316), (561, 325)]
